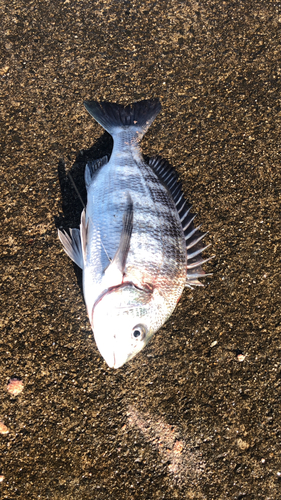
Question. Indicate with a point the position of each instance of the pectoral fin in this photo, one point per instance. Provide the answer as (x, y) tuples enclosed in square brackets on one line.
[(115, 271), (72, 245)]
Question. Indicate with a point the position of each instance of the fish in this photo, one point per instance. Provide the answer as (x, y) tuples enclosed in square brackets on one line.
[(137, 244)]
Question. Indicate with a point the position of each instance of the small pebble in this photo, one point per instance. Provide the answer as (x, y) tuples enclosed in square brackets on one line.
[(3, 429), (240, 357), (2, 478), (214, 343), (243, 445), (15, 386)]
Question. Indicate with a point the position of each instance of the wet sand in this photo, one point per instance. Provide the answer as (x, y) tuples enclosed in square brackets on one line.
[(197, 413)]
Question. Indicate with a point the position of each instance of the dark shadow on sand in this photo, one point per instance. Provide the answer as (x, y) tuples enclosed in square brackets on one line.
[(71, 203)]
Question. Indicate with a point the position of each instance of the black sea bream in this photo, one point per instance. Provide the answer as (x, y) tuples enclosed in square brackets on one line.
[(137, 244)]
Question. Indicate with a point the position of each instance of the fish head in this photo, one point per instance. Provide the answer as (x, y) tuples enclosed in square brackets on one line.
[(123, 323)]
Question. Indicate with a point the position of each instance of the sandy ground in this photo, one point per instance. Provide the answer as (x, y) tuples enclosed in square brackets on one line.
[(197, 413)]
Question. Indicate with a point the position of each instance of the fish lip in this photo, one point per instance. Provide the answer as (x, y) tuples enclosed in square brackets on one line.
[(114, 288)]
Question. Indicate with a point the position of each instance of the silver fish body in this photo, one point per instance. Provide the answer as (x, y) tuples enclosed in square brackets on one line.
[(137, 244)]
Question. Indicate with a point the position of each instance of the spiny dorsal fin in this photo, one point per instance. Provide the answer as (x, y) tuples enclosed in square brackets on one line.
[(193, 237)]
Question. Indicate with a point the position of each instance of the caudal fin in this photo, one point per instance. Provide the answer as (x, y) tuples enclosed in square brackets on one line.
[(115, 117)]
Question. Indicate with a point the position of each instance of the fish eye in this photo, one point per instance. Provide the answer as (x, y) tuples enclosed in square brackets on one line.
[(139, 332)]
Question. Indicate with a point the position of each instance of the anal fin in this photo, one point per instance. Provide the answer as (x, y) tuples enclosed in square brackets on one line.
[(91, 169)]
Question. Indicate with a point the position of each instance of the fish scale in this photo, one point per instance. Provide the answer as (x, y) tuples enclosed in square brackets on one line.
[(137, 244), (153, 230), (109, 221)]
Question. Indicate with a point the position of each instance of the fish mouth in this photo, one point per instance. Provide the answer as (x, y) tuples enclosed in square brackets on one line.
[(113, 362)]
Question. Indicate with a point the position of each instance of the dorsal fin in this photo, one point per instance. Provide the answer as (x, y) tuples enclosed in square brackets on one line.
[(193, 237)]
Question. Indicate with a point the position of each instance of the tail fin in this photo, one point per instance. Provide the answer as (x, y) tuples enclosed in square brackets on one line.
[(115, 117)]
